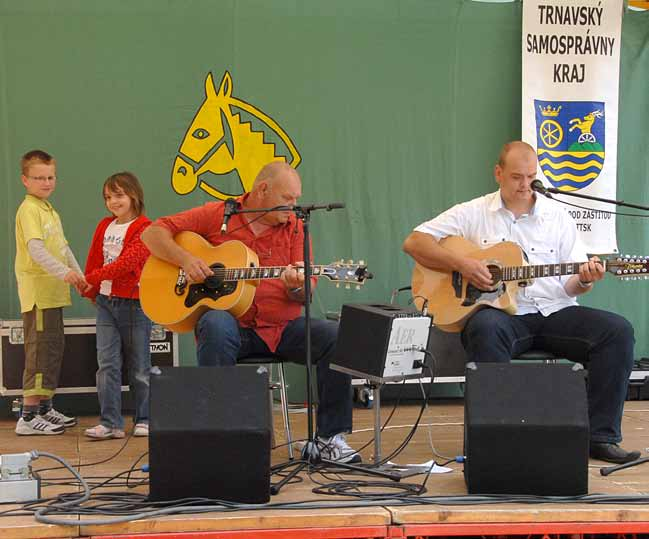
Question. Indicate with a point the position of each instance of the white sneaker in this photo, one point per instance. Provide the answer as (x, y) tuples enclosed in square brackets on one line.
[(100, 432), (57, 418), (336, 448), (37, 426), (141, 429)]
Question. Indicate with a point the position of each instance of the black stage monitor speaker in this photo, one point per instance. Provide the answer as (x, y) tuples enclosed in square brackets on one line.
[(210, 434), (526, 430), (380, 341)]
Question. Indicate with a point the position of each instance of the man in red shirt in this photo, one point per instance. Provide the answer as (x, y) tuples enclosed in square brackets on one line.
[(274, 322)]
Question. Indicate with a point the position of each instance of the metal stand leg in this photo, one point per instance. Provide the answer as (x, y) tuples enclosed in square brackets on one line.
[(284, 404), (376, 393)]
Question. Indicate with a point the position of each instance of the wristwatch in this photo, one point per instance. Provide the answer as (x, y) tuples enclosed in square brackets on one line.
[(296, 290), (586, 284)]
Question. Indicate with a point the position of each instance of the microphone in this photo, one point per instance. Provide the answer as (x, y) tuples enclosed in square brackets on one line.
[(330, 206), (537, 185), (231, 206)]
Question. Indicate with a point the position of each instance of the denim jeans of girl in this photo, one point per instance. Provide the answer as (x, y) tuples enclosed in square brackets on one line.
[(123, 335)]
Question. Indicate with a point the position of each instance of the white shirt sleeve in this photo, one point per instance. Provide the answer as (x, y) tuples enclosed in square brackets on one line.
[(453, 222), (71, 260), (43, 258)]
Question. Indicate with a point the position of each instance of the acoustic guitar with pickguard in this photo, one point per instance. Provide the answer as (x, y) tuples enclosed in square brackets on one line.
[(170, 300), (451, 299)]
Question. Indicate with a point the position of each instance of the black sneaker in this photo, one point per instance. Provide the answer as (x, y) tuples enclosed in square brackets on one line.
[(612, 453)]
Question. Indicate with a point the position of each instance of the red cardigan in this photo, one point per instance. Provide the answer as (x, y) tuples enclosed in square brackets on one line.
[(125, 270)]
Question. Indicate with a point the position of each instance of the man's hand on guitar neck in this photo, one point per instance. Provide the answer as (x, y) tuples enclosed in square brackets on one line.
[(589, 272), (294, 281), (477, 273)]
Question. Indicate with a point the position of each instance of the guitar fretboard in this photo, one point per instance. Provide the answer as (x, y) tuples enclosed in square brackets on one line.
[(521, 273), (267, 272)]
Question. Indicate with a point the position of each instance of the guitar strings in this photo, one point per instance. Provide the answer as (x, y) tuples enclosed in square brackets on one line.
[(257, 272)]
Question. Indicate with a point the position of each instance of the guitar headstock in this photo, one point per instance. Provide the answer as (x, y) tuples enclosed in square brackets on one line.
[(346, 272), (629, 268)]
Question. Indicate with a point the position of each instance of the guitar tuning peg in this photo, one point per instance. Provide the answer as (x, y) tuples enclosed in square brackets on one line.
[(361, 262), (358, 287), (348, 286), (350, 261), (337, 285)]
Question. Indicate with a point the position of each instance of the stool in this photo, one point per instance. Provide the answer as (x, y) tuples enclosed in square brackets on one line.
[(272, 359), (538, 355)]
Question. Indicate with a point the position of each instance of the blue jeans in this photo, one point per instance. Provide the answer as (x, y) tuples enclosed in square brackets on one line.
[(123, 334), (221, 341), (602, 341)]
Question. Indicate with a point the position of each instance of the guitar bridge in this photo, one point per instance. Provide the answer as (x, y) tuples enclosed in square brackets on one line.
[(181, 283)]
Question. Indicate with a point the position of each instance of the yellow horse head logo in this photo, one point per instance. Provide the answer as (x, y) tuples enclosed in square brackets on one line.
[(227, 144)]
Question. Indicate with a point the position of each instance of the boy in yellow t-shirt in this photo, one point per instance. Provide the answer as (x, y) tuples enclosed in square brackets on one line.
[(45, 269)]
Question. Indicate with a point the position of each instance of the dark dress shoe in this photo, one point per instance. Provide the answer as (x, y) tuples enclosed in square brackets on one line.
[(612, 453)]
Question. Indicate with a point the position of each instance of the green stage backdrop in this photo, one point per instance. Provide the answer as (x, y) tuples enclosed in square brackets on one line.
[(395, 107)]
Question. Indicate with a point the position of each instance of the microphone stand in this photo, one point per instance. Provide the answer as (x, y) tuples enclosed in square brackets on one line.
[(610, 469), (310, 455), (548, 190)]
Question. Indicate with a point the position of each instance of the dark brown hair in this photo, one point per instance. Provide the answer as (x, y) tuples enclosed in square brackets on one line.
[(127, 182)]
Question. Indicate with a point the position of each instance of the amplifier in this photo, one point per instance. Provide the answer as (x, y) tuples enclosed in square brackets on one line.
[(526, 430), (381, 343)]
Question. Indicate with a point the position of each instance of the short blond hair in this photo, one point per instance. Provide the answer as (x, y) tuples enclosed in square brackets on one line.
[(33, 157)]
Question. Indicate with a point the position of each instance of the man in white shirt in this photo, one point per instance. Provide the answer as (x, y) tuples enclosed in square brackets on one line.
[(548, 316)]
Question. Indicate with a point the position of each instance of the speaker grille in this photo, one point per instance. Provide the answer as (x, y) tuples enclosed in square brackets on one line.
[(209, 434), (526, 430)]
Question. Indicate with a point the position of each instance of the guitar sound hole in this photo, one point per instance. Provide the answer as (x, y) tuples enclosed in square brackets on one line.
[(496, 273)]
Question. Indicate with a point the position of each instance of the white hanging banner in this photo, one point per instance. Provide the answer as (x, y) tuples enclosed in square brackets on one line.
[(571, 72)]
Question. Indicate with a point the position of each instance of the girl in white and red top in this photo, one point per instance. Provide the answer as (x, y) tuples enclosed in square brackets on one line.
[(113, 270)]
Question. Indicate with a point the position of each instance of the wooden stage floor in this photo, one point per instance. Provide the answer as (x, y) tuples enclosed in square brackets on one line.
[(442, 423)]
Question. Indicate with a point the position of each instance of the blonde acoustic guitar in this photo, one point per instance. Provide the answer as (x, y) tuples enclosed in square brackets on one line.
[(451, 299), (170, 300)]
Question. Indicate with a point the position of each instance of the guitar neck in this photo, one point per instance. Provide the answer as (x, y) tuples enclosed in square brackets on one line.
[(265, 272), (521, 273)]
